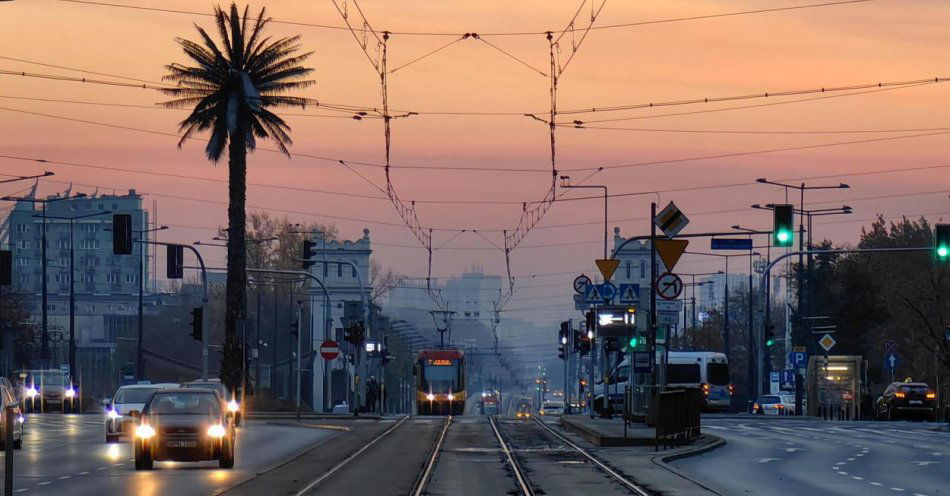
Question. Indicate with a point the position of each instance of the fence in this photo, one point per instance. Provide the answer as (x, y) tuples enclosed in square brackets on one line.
[(677, 417)]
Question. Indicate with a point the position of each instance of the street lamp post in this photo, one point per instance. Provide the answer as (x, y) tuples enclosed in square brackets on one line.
[(565, 183), (72, 285), (44, 348), (139, 348)]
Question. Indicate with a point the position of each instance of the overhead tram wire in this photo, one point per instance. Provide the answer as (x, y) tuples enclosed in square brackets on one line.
[(500, 33)]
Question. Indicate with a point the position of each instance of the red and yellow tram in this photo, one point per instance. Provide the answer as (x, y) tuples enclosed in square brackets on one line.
[(440, 382)]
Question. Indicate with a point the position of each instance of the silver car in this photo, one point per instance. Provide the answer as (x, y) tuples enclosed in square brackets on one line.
[(128, 398)]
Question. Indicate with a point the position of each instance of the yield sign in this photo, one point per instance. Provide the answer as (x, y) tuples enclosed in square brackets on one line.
[(670, 251), (607, 267), (329, 350)]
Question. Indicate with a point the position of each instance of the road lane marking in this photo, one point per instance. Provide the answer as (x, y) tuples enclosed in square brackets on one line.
[(876, 484), (897, 489), (767, 460), (64, 477), (855, 477), (924, 463), (21, 490), (83, 473), (43, 483), (842, 473)]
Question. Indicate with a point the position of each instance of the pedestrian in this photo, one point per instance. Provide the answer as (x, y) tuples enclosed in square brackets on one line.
[(372, 393)]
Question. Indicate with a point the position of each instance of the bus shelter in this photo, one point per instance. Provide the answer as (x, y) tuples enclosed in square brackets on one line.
[(837, 387)]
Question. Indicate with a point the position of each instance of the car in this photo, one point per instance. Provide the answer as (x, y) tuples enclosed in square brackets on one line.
[(47, 390), (524, 409), (184, 425), (128, 398), (551, 408), (907, 399), (234, 408), (770, 404), (9, 398)]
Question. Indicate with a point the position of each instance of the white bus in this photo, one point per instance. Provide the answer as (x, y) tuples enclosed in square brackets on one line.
[(706, 370)]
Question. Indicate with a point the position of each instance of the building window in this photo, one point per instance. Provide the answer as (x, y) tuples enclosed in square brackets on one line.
[(63, 244), (643, 270), (112, 278), (89, 244), (326, 270), (63, 262), (339, 270), (25, 245), (130, 278), (22, 228), (50, 308), (90, 228), (89, 278), (628, 269), (90, 309), (23, 278), (62, 278), (353, 270)]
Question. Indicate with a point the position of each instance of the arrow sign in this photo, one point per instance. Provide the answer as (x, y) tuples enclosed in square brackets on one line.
[(670, 251), (891, 360), (580, 283), (607, 267), (669, 286)]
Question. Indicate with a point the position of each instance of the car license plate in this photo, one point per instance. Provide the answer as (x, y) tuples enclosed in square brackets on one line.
[(916, 402), (182, 444)]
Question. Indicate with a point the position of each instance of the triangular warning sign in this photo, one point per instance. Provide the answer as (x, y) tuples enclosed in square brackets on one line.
[(670, 251), (628, 295), (594, 294), (607, 267)]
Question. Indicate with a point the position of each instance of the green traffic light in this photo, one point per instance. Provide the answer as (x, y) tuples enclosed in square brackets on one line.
[(783, 236), (943, 251), (633, 342), (770, 342)]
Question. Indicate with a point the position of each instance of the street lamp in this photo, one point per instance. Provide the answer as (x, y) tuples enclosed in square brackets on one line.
[(139, 350), (44, 353), (72, 284), (566, 184)]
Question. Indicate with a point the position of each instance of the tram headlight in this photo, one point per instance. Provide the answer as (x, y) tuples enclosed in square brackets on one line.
[(430, 397)]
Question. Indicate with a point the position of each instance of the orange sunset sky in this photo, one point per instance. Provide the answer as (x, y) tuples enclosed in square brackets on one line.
[(856, 43)]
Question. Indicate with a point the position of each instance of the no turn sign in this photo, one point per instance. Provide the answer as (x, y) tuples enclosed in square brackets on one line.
[(329, 350), (669, 286)]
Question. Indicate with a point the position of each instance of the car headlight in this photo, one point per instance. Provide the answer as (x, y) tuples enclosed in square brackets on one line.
[(430, 397), (70, 393), (20, 419), (233, 406), (113, 414), (216, 430), (144, 431), (31, 391)]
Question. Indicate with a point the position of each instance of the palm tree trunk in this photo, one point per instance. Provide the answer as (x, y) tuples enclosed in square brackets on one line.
[(237, 256)]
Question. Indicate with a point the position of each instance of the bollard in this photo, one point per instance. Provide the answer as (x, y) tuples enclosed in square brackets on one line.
[(9, 420)]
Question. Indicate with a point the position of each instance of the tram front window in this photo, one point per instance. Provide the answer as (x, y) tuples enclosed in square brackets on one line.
[(441, 376)]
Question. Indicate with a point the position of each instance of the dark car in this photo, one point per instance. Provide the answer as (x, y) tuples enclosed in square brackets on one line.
[(234, 408), (907, 399), (188, 425), (10, 401)]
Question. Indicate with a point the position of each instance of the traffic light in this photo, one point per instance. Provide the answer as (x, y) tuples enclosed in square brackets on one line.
[(196, 323), (348, 334), (783, 225), (942, 242), (122, 234), (770, 336), (175, 262), (307, 253), (6, 267), (634, 341), (611, 345), (562, 338), (294, 328)]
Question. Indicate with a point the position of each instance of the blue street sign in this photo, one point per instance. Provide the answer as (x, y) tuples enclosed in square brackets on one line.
[(891, 360), (629, 293), (788, 377), (731, 243), (599, 293), (798, 359)]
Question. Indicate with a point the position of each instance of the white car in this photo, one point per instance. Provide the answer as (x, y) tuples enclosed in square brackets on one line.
[(552, 408), (770, 404), (126, 399)]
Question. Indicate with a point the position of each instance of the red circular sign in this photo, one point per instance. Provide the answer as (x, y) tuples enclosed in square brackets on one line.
[(329, 350)]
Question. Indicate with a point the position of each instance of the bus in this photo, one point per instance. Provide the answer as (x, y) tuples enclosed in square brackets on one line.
[(706, 370), (440, 382)]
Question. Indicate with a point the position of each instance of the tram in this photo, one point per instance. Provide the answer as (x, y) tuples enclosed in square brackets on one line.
[(440, 382)]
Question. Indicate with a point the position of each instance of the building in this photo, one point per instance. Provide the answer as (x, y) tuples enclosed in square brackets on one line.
[(712, 293), (473, 295), (106, 286)]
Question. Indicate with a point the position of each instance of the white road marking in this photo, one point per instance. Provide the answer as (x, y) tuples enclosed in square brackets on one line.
[(897, 489), (840, 463), (83, 473), (924, 463), (43, 483), (855, 477), (767, 460), (792, 450), (64, 477), (876, 484), (21, 490), (843, 473)]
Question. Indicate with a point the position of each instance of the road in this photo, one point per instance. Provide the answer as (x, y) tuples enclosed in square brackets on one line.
[(67, 454), (779, 456)]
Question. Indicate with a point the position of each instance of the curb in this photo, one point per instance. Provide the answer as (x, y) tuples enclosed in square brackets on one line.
[(662, 460)]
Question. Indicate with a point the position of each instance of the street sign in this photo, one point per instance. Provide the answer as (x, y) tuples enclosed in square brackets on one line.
[(64, 368), (827, 342), (329, 350), (629, 293), (580, 283), (731, 244), (891, 360), (580, 303), (890, 346), (674, 306), (599, 293), (607, 267), (670, 251), (616, 321), (799, 348), (788, 379), (671, 221), (641, 362), (798, 359), (667, 318), (774, 382), (669, 286)]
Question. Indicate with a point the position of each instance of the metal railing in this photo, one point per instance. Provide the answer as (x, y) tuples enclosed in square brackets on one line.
[(677, 416)]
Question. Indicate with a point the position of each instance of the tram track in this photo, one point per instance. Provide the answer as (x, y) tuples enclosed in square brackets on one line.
[(518, 471)]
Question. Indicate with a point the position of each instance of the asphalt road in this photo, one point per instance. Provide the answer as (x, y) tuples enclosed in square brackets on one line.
[(67, 454), (778, 456)]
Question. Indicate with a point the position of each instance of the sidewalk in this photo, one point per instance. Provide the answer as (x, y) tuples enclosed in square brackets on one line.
[(609, 432)]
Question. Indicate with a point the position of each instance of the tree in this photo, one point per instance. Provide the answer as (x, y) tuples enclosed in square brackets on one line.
[(231, 89)]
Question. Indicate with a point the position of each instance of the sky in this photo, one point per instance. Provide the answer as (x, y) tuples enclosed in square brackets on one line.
[(850, 44)]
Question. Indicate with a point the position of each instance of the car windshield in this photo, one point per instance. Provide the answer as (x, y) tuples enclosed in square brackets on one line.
[(718, 373), (183, 404), (50, 378), (134, 395), (682, 373), (552, 407), (441, 378), (915, 389), (769, 400), (215, 386)]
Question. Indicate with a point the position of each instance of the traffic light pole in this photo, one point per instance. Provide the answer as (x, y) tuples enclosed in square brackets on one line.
[(765, 295)]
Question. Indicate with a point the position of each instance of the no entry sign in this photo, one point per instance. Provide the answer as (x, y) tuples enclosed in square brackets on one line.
[(329, 350)]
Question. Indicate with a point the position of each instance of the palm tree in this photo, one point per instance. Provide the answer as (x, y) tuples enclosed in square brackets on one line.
[(231, 88)]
